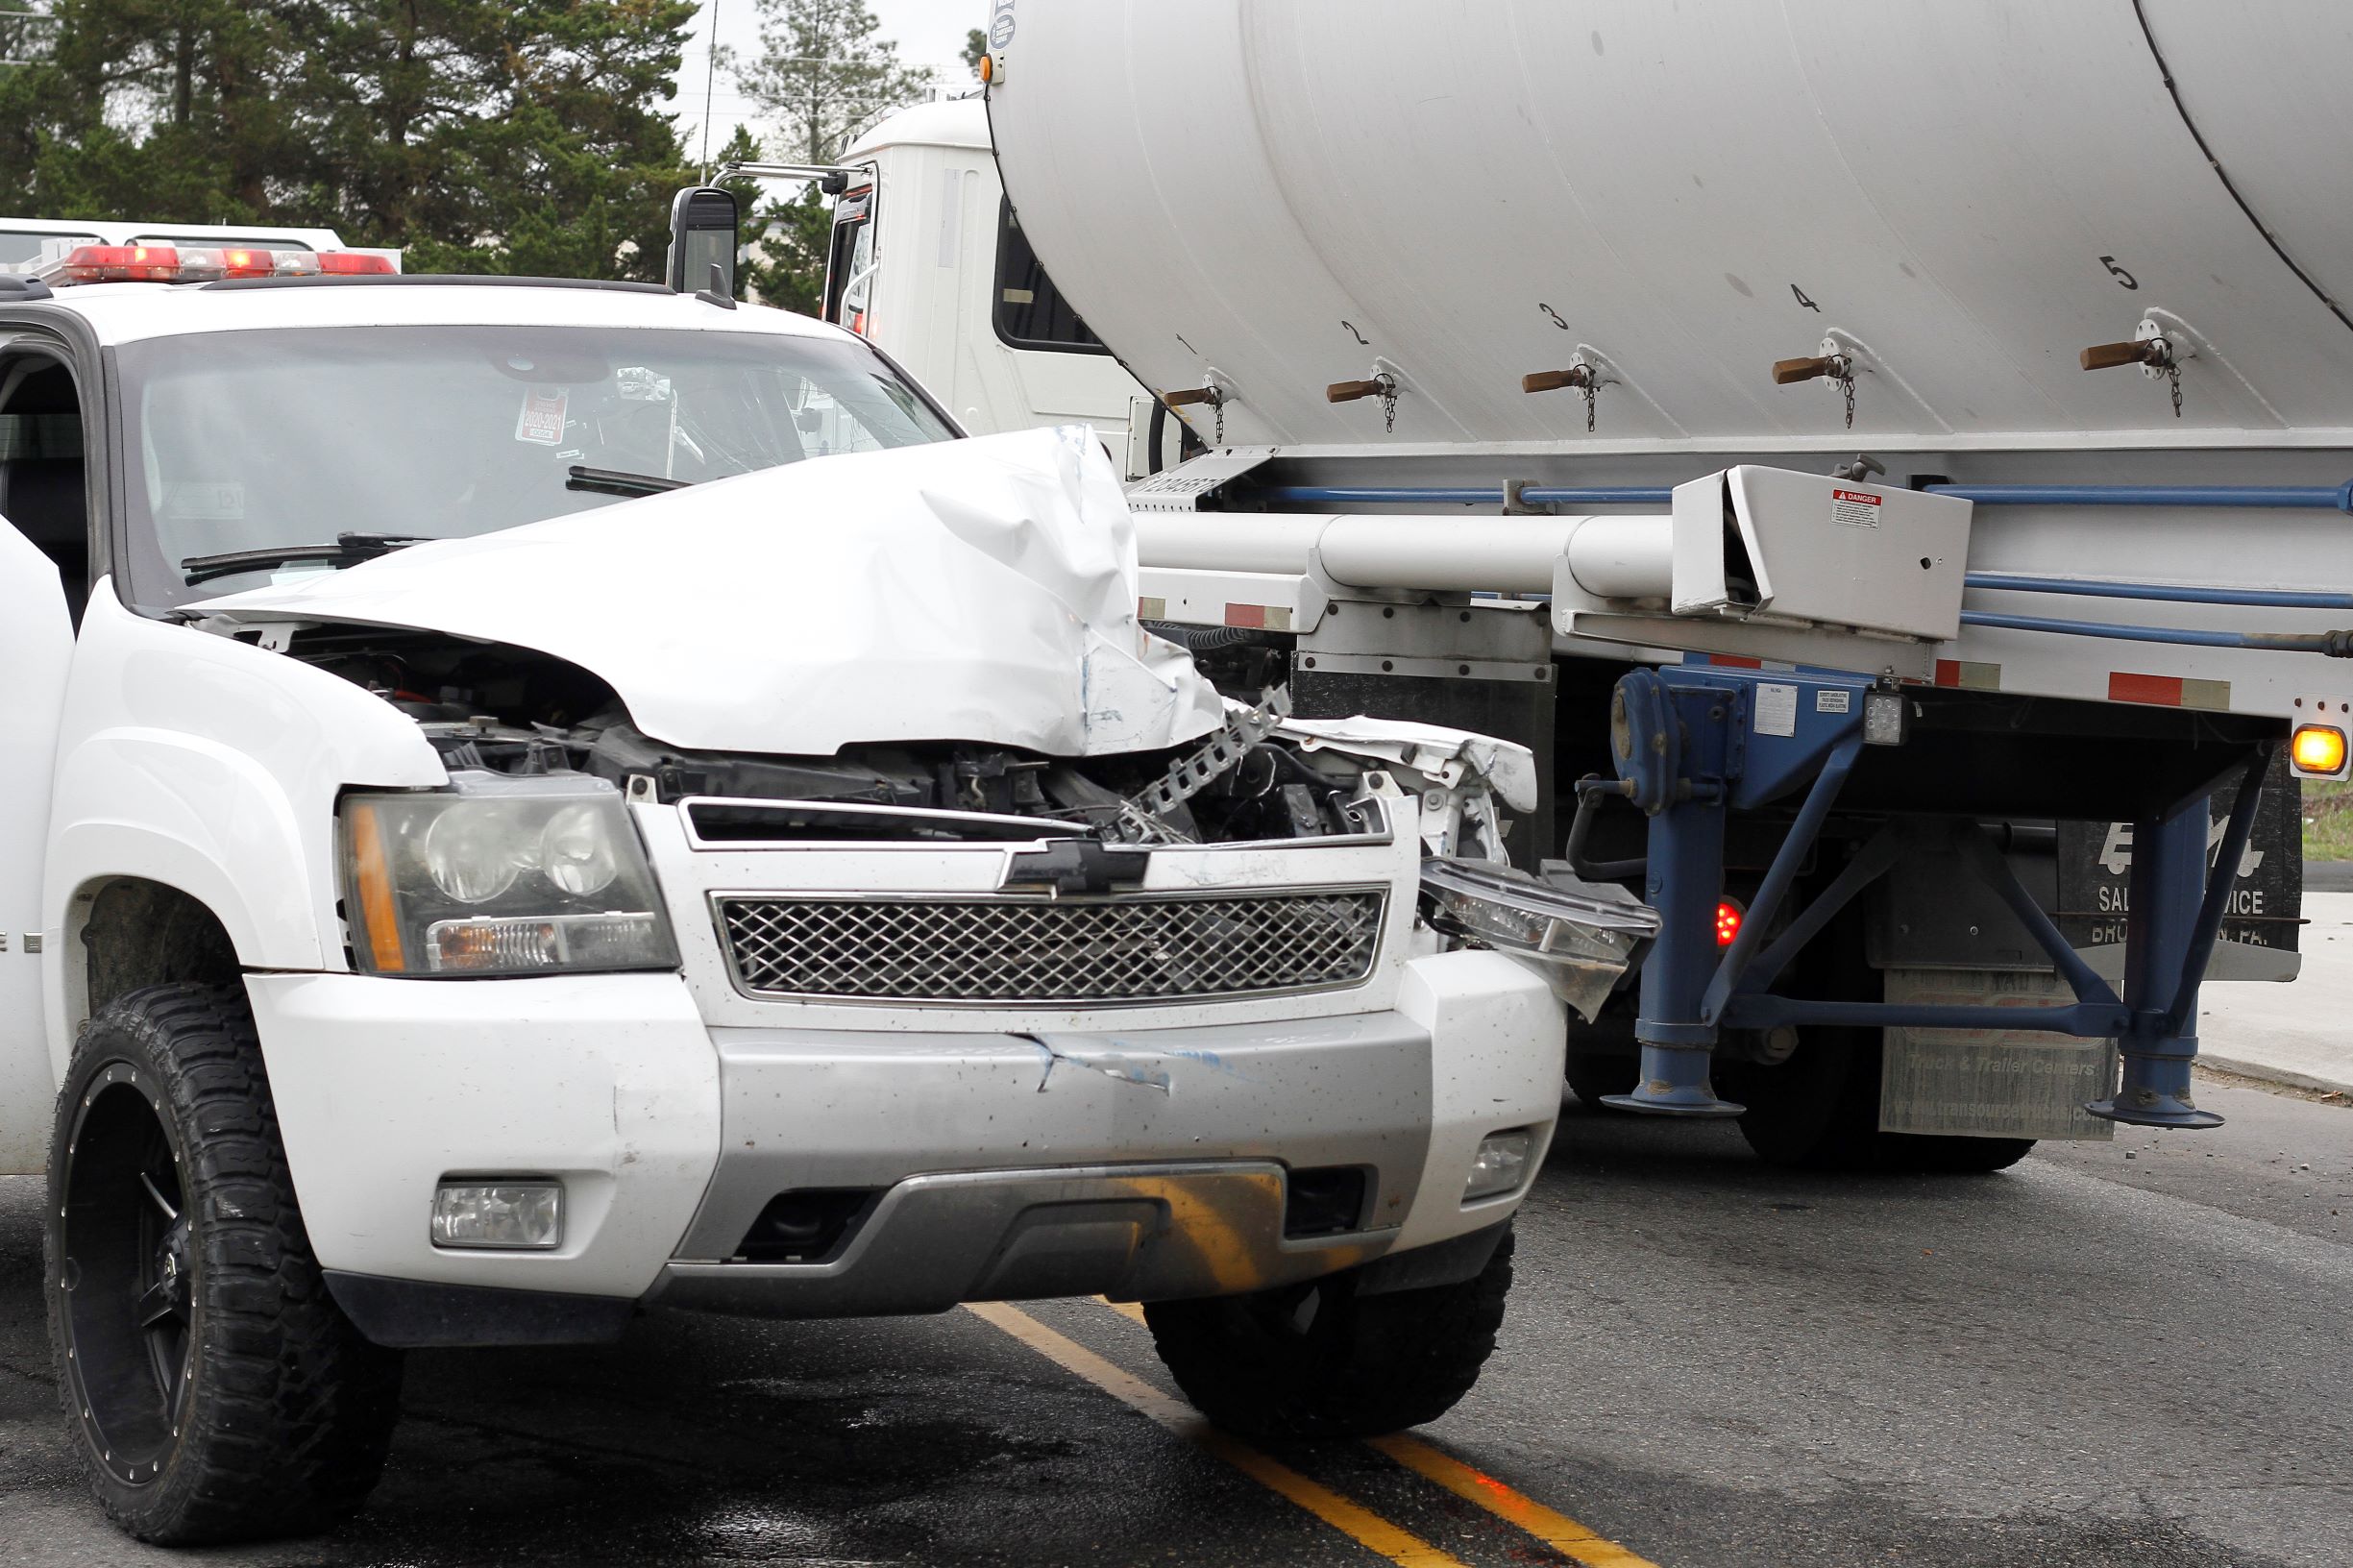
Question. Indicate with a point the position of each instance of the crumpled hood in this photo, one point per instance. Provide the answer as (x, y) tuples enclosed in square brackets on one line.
[(980, 590)]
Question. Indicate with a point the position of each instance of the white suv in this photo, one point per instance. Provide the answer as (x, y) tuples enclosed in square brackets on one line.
[(504, 839)]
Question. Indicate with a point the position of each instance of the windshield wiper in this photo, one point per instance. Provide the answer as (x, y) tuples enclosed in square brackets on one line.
[(348, 550), (614, 481)]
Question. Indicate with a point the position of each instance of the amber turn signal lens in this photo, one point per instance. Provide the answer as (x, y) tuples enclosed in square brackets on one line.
[(2317, 748)]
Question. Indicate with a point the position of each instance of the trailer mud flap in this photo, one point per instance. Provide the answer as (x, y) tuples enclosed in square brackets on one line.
[(1990, 1083), (2260, 928)]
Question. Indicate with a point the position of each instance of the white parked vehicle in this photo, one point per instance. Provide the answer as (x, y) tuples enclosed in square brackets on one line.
[(26, 242), (503, 837)]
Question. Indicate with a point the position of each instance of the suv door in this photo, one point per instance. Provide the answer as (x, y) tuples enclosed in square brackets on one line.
[(44, 555)]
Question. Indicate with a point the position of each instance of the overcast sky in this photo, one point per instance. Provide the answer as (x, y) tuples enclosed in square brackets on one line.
[(927, 32)]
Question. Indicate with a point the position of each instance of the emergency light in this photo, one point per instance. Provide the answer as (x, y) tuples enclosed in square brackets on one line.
[(180, 264)]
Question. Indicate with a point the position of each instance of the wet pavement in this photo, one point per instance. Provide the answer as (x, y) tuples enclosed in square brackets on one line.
[(2088, 1360)]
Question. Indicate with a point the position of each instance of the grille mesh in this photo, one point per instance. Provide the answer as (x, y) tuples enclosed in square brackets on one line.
[(1004, 950)]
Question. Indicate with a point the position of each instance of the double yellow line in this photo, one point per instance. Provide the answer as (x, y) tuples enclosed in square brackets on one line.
[(1352, 1519)]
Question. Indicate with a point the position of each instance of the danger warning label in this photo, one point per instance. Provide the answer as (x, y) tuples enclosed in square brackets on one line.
[(1856, 509)]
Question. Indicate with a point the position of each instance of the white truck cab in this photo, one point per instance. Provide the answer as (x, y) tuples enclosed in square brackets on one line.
[(536, 800), (929, 262)]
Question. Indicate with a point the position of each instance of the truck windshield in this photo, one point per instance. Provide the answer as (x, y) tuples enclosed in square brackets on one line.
[(254, 440)]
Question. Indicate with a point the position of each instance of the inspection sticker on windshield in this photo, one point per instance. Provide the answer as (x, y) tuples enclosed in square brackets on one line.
[(542, 419), (1856, 509), (203, 500)]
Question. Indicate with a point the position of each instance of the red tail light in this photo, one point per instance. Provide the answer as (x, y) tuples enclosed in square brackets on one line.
[(1728, 916)]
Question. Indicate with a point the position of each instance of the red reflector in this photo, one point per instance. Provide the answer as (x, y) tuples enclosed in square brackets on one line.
[(352, 263), (1727, 922)]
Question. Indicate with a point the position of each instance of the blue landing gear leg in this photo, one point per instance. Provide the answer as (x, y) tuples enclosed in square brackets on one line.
[(2170, 932), (1675, 739), (1683, 880)]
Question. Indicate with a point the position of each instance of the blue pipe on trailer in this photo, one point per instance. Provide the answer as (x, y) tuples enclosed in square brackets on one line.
[(2337, 644), (1385, 495), (2308, 497), (2294, 498), (2274, 599)]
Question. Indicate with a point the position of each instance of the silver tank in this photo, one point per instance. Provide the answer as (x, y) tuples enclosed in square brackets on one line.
[(1959, 198)]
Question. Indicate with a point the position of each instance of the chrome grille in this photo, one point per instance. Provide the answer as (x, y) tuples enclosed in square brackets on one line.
[(1019, 951)]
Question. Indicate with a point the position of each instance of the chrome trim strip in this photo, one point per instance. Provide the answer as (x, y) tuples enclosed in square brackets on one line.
[(1383, 831)]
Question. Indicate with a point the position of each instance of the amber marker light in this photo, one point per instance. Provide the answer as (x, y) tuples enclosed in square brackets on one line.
[(372, 879), (2319, 749)]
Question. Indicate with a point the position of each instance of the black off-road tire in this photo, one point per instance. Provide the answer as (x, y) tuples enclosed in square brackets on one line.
[(215, 1389), (1319, 1360)]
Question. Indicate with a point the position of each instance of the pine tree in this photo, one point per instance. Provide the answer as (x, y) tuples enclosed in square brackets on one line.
[(824, 75), (478, 136)]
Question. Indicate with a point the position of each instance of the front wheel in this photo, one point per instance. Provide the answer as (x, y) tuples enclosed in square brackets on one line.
[(217, 1391), (1322, 1359)]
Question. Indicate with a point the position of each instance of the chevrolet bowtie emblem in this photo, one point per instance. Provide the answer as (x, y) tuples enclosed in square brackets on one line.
[(1077, 865)]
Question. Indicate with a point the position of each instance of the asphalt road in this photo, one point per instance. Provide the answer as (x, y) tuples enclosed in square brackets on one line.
[(2086, 1360)]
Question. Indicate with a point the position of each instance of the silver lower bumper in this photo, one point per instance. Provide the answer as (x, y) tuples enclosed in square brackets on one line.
[(1142, 1165), (1132, 1232)]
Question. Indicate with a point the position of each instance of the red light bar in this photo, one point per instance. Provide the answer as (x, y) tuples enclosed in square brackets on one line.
[(168, 264), (125, 263)]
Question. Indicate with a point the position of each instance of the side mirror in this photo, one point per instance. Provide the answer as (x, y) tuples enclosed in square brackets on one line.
[(703, 236)]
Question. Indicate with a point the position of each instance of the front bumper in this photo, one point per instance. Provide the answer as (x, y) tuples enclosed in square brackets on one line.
[(1142, 1164)]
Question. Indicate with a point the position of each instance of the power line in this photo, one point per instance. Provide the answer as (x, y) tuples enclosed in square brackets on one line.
[(710, 73)]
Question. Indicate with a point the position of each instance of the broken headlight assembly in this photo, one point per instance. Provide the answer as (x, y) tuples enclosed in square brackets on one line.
[(1581, 943), (499, 875)]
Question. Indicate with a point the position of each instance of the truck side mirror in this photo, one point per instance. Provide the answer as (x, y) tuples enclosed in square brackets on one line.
[(703, 235)]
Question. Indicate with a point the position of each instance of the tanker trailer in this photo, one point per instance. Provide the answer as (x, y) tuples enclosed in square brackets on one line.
[(1890, 463)]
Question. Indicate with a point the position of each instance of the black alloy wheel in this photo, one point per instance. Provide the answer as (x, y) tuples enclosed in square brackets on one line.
[(215, 1389), (126, 1285)]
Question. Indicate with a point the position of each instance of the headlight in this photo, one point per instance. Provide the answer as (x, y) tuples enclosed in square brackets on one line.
[(1579, 942), (499, 875)]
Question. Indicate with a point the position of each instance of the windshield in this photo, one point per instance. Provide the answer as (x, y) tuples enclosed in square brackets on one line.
[(251, 440)]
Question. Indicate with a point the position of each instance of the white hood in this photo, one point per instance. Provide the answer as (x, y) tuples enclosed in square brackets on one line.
[(979, 590)]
